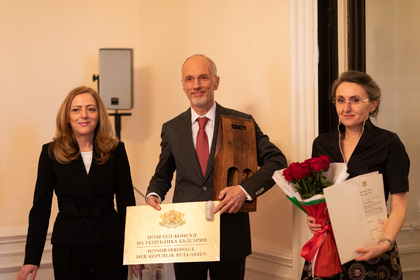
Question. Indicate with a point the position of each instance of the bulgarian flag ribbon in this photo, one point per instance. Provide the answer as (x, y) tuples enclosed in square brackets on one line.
[(321, 249)]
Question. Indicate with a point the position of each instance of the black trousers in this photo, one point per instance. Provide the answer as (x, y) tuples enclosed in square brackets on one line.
[(89, 262), (222, 270)]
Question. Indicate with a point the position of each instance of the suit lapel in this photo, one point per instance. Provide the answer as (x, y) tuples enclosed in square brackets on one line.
[(219, 112)]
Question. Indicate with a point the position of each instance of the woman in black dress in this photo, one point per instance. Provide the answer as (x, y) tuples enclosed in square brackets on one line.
[(366, 148)]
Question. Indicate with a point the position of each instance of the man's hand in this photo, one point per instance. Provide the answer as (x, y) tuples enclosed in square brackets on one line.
[(26, 270), (137, 269), (232, 199), (153, 201)]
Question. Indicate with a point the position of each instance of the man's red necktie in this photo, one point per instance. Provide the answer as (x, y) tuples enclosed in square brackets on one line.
[(202, 144)]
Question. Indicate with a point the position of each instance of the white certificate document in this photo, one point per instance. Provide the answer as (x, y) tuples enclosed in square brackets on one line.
[(179, 232), (357, 212)]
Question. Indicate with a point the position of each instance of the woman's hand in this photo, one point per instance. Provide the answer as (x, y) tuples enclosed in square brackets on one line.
[(313, 227), (373, 251), (392, 228), (26, 270)]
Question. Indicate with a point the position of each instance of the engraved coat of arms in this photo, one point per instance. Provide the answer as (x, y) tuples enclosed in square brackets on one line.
[(172, 219)]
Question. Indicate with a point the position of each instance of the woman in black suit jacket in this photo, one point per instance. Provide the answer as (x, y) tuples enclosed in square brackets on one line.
[(85, 165)]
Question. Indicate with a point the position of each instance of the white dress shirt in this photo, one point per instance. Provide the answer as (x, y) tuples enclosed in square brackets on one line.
[(209, 128)]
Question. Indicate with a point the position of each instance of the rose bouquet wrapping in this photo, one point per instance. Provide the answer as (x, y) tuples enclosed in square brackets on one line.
[(303, 183)]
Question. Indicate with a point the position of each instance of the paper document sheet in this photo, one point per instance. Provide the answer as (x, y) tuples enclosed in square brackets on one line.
[(358, 213)]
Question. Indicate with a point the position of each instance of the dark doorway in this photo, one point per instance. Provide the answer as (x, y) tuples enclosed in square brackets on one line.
[(328, 53)]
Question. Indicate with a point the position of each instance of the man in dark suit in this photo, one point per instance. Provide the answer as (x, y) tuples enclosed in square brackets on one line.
[(194, 182)]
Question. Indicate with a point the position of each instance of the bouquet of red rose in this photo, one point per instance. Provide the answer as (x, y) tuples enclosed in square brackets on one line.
[(303, 184)]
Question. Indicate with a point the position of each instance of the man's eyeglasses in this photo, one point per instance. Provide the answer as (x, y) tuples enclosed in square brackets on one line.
[(202, 80), (353, 101)]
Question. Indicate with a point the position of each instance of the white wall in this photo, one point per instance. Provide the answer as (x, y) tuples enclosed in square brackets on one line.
[(49, 47), (392, 44)]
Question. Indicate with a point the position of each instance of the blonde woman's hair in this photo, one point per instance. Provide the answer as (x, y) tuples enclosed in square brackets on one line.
[(64, 147)]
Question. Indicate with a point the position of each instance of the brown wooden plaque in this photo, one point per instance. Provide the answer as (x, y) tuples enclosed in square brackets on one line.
[(235, 159)]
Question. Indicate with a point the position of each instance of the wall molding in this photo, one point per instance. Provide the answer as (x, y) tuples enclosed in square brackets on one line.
[(304, 55), (409, 255), (409, 249), (269, 261), (304, 77), (12, 253)]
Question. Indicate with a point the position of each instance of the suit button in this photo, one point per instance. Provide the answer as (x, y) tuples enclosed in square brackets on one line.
[(204, 188)]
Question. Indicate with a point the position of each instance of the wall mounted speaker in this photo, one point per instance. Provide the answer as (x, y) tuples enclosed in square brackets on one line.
[(116, 78)]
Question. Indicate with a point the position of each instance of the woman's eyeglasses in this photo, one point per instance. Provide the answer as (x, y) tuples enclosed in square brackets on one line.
[(352, 101)]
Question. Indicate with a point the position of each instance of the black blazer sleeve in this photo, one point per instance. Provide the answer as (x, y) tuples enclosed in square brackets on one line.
[(161, 180), (270, 159), (39, 215), (124, 194)]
